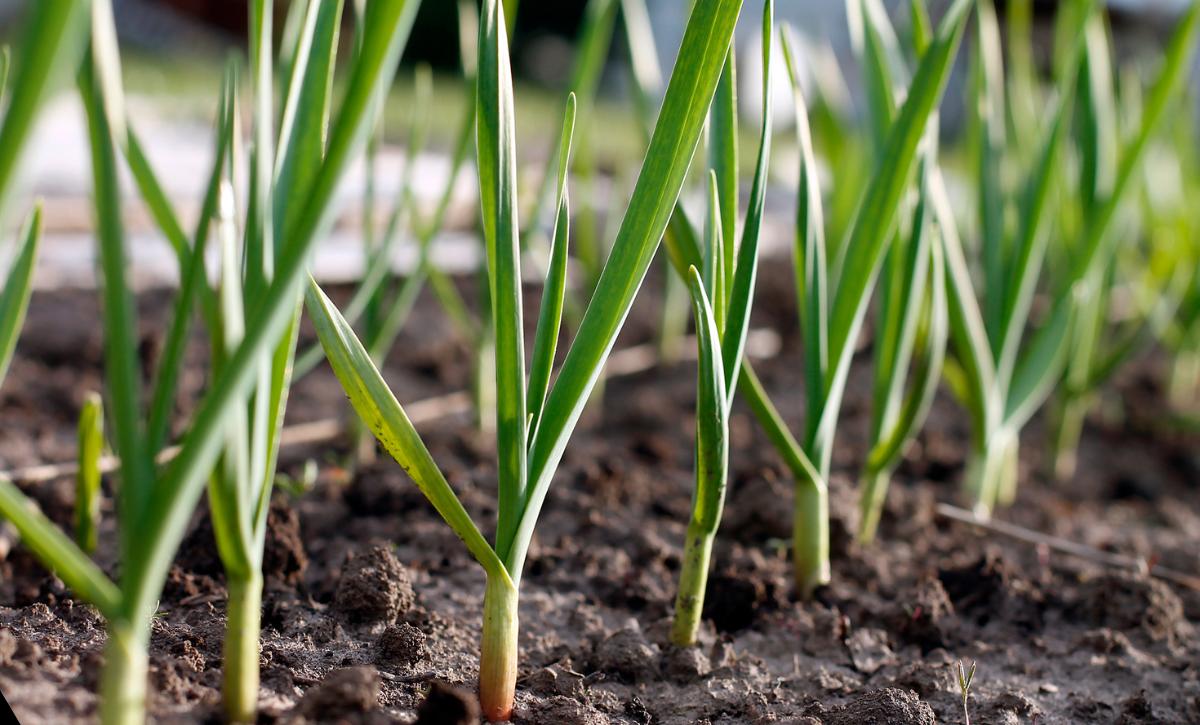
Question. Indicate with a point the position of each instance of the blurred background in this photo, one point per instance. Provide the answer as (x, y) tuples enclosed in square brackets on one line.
[(174, 50)]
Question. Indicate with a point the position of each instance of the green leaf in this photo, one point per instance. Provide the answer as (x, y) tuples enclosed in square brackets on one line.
[(1176, 55), (87, 478), (387, 29), (545, 341), (56, 550), (229, 496), (883, 68), (193, 279), (926, 373), (14, 298), (1039, 369), (497, 160), (681, 120), (1030, 245), (714, 249), (54, 40), (740, 291), (907, 272), (723, 160), (990, 116), (922, 27), (122, 369), (809, 250), (383, 414), (260, 229), (874, 224), (306, 112), (975, 386), (712, 413)]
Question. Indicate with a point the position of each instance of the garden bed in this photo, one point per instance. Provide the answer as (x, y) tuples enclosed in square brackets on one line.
[(371, 599)]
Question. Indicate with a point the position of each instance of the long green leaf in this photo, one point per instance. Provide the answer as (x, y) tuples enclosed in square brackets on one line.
[(723, 160), (545, 341), (742, 277), (14, 298), (1039, 370), (193, 281), (374, 402), (496, 145), (809, 253), (681, 120), (712, 423), (306, 113), (54, 40), (56, 550), (387, 30), (967, 331), (122, 370), (990, 110), (873, 226)]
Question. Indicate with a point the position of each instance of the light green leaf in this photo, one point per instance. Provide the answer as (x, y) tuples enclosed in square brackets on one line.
[(18, 285), (496, 151), (705, 42), (383, 414), (553, 292), (56, 550)]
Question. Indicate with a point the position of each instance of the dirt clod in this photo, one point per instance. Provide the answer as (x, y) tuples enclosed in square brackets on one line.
[(284, 559), (1129, 602), (566, 711), (926, 618), (686, 664), (374, 587), (401, 645), (890, 706), (448, 705), (627, 656), (351, 689), (869, 650)]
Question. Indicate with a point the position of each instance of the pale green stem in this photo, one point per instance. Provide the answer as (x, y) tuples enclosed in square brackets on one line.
[(693, 580), (244, 613), (1068, 431), (810, 536), (1006, 493), (873, 494), (123, 679), (498, 650), (992, 472)]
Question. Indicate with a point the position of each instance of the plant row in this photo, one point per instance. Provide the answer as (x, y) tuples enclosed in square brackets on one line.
[(1022, 267)]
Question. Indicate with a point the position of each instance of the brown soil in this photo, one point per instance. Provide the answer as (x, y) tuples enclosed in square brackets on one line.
[(372, 607)]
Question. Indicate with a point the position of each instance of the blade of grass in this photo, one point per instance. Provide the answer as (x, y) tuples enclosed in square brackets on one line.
[(383, 413), (90, 446), (496, 152), (743, 276), (705, 42), (18, 285), (874, 223), (388, 27), (51, 546), (712, 468), (550, 315), (122, 371)]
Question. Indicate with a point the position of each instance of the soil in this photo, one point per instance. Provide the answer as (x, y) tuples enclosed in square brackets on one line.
[(372, 606)]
